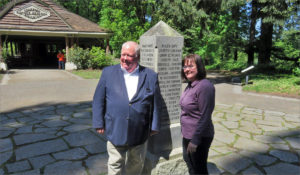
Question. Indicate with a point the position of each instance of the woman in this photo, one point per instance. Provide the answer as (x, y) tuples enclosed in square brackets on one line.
[(197, 104)]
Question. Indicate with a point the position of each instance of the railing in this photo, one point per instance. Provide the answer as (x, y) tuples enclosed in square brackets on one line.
[(245, 71)]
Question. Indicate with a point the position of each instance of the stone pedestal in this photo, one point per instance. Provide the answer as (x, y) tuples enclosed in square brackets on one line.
[(161, 50)]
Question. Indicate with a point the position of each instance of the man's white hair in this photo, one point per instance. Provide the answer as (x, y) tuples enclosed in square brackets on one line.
[(135, 44)]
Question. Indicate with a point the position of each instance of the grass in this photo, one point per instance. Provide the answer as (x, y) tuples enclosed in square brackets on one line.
[(278, 84), (88, 74)]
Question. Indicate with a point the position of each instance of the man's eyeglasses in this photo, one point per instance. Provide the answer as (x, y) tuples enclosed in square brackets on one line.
[(188, 67)]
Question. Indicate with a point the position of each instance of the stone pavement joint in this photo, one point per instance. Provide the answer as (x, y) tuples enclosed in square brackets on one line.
[(59, 139)]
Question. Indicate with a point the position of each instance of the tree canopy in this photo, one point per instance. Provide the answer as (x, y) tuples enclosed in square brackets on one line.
[(237, 32)]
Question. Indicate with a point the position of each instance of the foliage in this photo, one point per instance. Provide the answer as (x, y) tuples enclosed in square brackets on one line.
[(99, 59), (222, 32), (89, 59), (284, 84), (296, 70), (216, 30), (230, 65), (87, 8), (273, 15), (233, 65), (282, 66), (3, 3), (124, 20), (4, 54), (287, 45), (80, 57)]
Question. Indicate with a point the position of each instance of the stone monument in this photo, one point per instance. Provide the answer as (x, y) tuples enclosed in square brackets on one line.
[(161, 50)]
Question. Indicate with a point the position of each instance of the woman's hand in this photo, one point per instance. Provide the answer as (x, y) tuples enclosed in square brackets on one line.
[(191, 148)]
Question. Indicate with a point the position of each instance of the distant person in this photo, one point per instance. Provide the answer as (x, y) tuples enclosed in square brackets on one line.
[(126, 107), (61, 60), (197, 104)]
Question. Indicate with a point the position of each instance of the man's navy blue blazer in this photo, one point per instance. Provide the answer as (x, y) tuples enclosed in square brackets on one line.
[(127, 123)]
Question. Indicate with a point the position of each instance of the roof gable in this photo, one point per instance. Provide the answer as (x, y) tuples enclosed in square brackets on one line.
[(44, 15)]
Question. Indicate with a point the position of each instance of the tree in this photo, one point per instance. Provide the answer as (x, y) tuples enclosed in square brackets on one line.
[(234, 8), (271, 12), (86, 8), (3, 3), (286, 44), (127, 19), (252, 31), (191, 18)]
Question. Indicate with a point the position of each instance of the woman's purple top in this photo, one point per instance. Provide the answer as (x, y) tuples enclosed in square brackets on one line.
[(197, 104)]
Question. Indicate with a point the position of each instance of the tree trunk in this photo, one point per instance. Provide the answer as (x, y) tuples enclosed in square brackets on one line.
[(265, 43), (252, 33), (235, 54), (77, 7)]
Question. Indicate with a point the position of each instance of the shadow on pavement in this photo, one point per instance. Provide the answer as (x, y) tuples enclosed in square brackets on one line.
[(59, 139), (51, 139), (278, 153)]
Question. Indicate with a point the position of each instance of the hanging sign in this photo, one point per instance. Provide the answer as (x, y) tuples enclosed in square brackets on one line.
[(32, 12)]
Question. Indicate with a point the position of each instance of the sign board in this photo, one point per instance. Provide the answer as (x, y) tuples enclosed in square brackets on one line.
[(32, 12)]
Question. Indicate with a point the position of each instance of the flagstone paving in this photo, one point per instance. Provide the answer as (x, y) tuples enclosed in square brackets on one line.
[(58, 139)]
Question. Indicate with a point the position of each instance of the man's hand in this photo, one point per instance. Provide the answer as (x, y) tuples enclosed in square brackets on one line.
[(100, 130), (191, 148), (153, 132)]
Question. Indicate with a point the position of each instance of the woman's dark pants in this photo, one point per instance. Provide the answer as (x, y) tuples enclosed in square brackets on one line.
[(197, 161)]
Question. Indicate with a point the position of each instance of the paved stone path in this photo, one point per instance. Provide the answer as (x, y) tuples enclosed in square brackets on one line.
[(58, 139), (255, 141)]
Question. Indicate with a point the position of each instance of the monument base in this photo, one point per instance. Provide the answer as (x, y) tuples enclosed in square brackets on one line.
[(165, 152), (3, 66), (70, 66), (174, 164), (166, 140)]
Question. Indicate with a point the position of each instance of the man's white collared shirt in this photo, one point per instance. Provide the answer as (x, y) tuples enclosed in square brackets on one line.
[(131, 81)]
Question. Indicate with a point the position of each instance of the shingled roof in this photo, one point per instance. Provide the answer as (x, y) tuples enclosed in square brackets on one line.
[(55, 21)]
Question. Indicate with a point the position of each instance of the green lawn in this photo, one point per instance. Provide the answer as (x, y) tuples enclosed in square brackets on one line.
[(278, 84), (88, 74)]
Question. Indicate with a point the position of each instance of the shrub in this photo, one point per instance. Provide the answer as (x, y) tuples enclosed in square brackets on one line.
[(232, 65), (80, 57), (99, 59), (90, 59), (4, 54), (229, 65), (296, 70)]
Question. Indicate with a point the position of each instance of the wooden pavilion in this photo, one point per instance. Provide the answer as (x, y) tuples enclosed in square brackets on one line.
[(33, 31)]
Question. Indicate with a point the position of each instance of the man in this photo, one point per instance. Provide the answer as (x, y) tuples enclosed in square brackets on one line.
[(61, 60), (126, 107)]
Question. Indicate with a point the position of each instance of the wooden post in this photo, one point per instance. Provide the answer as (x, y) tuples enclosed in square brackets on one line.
[(14, 48), (18, 46), (11, 49), (77, 42), (67, 49), (72, 42), (3, 65), (1, 50), (107, 51)]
